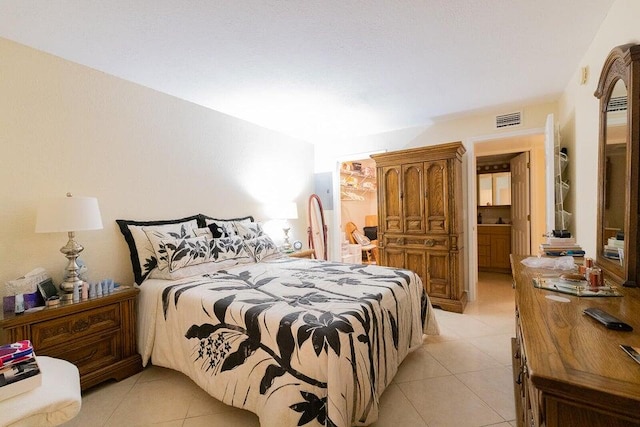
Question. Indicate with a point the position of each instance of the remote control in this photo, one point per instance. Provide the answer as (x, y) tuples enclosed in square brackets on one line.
[(608, 320)]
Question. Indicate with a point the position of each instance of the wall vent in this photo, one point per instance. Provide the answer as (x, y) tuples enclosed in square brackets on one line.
[(618, 103), (508, 120)]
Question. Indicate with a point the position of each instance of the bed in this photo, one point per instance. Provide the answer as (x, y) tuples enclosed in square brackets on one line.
[(296, 341)]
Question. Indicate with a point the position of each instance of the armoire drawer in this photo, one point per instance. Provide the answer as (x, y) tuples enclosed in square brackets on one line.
[(415, 242)]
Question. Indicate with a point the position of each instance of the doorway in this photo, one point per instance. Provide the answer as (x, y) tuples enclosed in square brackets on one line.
[(531, 142), (358, 209)]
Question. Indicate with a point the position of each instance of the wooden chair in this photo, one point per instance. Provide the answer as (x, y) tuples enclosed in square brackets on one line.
[(369, 247)]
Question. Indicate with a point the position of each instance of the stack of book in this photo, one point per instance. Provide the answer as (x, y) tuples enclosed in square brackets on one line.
[(561, 246), (19, 370), (613, 248)]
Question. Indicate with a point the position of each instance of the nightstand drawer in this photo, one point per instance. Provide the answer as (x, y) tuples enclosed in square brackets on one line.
[(65, 329), (92, 353)]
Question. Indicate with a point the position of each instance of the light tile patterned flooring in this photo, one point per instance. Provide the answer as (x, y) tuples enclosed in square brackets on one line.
[(460, 378)]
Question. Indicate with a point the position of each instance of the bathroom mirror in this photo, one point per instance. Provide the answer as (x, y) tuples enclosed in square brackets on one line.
[(617, 232), (494, 189)]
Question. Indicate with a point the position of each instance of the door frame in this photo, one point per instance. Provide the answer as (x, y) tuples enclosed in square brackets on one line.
[(472, 208)]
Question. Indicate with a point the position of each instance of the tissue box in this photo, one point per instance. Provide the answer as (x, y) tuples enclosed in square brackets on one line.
[(31, 300)]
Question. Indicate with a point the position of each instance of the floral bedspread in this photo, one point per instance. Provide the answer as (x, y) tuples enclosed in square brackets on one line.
[(296, 341)]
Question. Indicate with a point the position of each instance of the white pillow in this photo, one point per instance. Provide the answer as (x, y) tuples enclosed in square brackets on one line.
[(188, 251), (262, 248), (156, 234)]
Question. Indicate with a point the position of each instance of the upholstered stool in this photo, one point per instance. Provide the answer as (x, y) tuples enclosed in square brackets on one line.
[(56, 401)]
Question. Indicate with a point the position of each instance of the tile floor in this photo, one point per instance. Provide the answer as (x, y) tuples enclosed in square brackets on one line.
[(459, 378)]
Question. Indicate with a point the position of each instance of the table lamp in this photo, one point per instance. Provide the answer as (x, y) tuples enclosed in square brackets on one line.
[(69, 214), (284, 211)]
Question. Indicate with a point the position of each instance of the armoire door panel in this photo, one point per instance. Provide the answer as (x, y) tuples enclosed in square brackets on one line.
[(394, 258), (391, 202), (437, 196), (438, 274), (413, 197), (415, 260)]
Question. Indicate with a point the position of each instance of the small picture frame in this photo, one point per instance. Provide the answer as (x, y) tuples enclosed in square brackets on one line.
[(47, 289)]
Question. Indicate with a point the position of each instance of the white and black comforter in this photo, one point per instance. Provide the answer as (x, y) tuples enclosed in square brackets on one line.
[(298, 342)]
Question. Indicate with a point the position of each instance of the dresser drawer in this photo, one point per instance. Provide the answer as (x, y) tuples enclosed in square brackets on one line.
[(66, 329), (92, 353), (415, 242)]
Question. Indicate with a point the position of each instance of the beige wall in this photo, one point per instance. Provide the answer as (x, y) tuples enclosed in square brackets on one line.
[(143, 154), (578, 117)]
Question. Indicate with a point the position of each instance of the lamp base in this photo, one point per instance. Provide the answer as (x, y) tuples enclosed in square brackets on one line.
[(286, 245), (71, 251)]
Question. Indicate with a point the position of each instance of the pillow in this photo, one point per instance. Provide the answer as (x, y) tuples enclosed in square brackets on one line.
[(159, 233), (360, 238), (226, 248), (143, 258), (262, 248), (197, 270), (218, 230), (227, 224), (249, 230), (203, 232), (224, 253), (183, 252)]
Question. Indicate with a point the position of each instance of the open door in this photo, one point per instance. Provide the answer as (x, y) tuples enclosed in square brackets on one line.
[(520, 205), (317, 229)]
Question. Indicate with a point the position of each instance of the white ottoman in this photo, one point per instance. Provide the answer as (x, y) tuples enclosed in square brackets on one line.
[(56, 401)]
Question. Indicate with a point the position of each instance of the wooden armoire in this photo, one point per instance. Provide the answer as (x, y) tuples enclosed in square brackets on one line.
[(420, 218)]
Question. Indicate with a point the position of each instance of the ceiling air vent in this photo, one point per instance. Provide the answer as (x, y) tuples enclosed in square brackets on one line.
[(618, 103), (508, 120)]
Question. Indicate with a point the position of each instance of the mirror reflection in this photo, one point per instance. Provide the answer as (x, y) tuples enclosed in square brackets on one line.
[(615, 152), (494, 189)]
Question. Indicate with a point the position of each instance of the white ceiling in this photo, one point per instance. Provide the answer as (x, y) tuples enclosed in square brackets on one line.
[(322, 68)]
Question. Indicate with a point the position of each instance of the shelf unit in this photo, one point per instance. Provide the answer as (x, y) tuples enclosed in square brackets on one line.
[(561, 185), (354, 185)]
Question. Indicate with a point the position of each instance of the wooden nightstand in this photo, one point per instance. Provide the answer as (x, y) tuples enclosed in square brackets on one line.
[(97, 335), (305, 253)]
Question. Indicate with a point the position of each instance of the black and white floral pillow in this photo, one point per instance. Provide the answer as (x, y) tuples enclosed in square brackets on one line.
[(203, 232), (262, 248), (249, 230), (186, 251), (157, 234), (226, 248), (143, 258), (227, 226)]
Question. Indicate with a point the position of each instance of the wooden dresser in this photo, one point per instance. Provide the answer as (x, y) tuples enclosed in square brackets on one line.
[(568, 369), (97, 335), (420, 218)]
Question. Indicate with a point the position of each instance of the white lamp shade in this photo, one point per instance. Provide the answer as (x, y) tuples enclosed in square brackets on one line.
[(282, 210), (64, 214)]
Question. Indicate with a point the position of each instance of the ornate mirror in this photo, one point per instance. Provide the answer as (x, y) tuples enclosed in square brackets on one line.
[(617, 232)]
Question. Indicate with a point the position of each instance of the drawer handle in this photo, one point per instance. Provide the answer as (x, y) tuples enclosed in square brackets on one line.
[(400, 241), (80, 325), (429, 242)]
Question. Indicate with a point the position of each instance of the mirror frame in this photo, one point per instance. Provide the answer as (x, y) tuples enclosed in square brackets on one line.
[(623, 63)]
